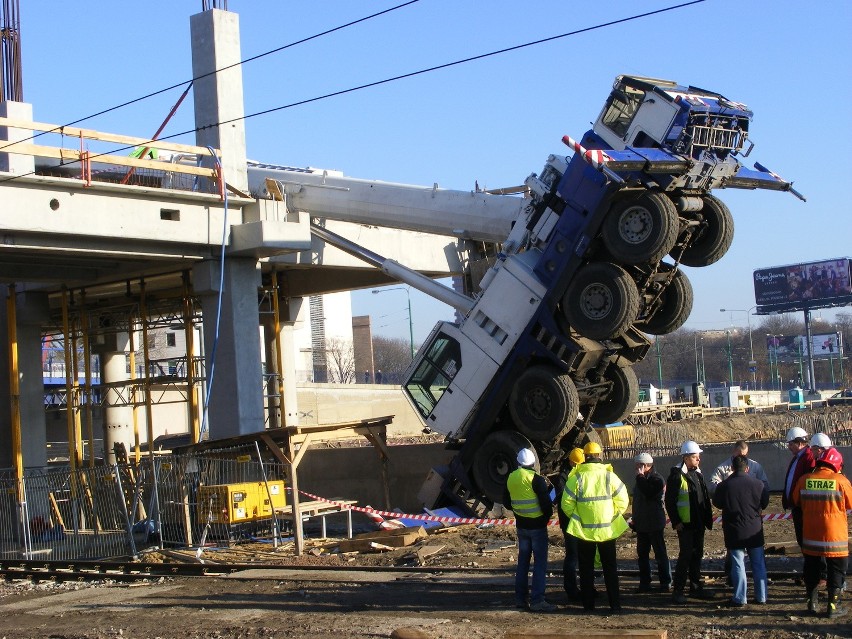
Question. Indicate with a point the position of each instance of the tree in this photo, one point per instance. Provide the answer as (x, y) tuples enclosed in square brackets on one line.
[(340, 359), (391, 355)]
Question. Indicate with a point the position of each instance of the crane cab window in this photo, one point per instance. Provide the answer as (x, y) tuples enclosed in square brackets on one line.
[(621, 108), (434, 373)]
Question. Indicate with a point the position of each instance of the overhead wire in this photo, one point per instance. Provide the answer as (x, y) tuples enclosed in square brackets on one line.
[(215, 71), (403, 76)]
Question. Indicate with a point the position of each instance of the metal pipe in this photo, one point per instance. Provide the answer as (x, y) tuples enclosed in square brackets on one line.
[(397, 271)]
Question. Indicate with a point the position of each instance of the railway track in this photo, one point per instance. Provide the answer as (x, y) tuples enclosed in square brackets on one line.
[(129, 571)]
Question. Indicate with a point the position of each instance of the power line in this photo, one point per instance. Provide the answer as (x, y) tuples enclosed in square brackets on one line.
[(214, 72), (394, 78)]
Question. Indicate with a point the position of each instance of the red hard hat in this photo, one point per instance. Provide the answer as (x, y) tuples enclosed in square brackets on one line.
[(833, 458)]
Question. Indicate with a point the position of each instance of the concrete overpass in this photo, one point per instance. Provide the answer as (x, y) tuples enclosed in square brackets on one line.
[(89, 249)]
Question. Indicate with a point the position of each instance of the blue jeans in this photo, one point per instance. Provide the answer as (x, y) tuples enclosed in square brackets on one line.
[(532, 543), (738, 573)]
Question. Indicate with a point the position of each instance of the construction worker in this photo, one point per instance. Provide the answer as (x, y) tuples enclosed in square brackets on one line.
[(820, 443), (569, 564), (689, 509), (594, 501), (801, 464), (649, 523), (528, 494), (824, 497)]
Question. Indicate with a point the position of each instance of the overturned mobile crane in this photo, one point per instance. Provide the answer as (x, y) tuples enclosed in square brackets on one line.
[(547, 345)]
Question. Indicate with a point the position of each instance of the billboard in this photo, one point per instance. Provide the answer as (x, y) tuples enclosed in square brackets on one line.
[(790, 348), (800, 283)]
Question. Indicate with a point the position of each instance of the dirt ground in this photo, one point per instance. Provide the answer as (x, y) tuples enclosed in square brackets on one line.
[(463, 600)]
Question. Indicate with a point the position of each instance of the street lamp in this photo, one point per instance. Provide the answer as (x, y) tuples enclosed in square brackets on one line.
[(410, 322), (752, 363), (773, 346)]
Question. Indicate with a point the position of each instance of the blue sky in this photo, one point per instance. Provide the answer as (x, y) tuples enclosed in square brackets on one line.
[(494, 120)]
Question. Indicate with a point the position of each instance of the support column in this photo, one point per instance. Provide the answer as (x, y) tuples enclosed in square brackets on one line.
[(118, 420), (218, 95), (32, 312), (233, 360)]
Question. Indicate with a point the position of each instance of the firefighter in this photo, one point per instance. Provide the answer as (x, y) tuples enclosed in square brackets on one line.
[(528, 493), (824, 497), (594, 501)]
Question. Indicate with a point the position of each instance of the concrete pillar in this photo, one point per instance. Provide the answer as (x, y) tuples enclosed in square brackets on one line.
[(362, 345), (236, 397), (289, 312), (32, 314), (118, 420), (12, 162), (219, 96)]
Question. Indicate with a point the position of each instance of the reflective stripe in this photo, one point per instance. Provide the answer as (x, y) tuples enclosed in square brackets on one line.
[(588, 499), (524, 500)]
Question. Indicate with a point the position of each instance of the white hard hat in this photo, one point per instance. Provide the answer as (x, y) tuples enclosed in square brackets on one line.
[(643, 458), (796, 433), (822, 440), (689, 447), (526, 457)]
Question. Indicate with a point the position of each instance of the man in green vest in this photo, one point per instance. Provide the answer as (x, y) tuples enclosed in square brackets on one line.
[(528, 495), (594, 500), (691, 513)]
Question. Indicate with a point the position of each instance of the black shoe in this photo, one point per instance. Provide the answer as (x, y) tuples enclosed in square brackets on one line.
[(665, 587), (643, 588), (615, 610), (678, 597), (733, 604)]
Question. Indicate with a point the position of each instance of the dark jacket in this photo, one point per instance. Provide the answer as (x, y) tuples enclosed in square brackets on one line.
[(542, 488), (648, 512), (741, 498), (700, 509), (801, 464)]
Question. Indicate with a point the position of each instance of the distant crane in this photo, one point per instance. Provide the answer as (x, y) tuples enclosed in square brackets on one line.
[(11, 76)]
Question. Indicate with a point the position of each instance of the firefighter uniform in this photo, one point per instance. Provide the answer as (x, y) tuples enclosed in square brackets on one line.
[(593, 501), (824, 497)]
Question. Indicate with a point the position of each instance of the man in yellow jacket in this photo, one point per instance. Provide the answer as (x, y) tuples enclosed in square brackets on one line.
[(594, 500)]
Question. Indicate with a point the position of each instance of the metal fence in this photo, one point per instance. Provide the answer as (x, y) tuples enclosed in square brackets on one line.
[(116, 511)]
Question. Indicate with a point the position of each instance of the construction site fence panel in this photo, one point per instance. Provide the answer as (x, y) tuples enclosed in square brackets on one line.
[(117, 511)]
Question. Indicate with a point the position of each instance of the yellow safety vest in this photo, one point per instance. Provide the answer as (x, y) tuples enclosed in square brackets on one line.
[(594, 500), (524, 500), (683, 500)]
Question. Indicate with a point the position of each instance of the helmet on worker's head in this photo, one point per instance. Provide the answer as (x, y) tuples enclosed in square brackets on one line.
[(576, 456), (526, 457), (821, 440), (592, 448), (797, 433), (833, 459), (689, 447), (643, 458)]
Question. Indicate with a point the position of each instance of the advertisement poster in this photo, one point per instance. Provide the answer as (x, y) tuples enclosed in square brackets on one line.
[(813, 281)]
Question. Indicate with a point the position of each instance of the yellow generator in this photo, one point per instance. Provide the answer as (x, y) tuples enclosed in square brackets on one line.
[(238, 503)]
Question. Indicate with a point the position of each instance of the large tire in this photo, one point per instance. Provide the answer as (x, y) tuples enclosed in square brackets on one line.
[(714, 238), (675, 306), (601, 302), (622, 399), (543, 402), (641, 230), (495, 459)]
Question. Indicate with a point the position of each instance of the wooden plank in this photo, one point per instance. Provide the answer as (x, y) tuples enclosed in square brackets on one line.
[(587, 634), (90, 134), (418, 531), (54, 510), (23, 148)]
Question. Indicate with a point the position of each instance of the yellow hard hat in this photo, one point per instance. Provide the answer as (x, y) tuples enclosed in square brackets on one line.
[(592, 448), (576, 456)]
